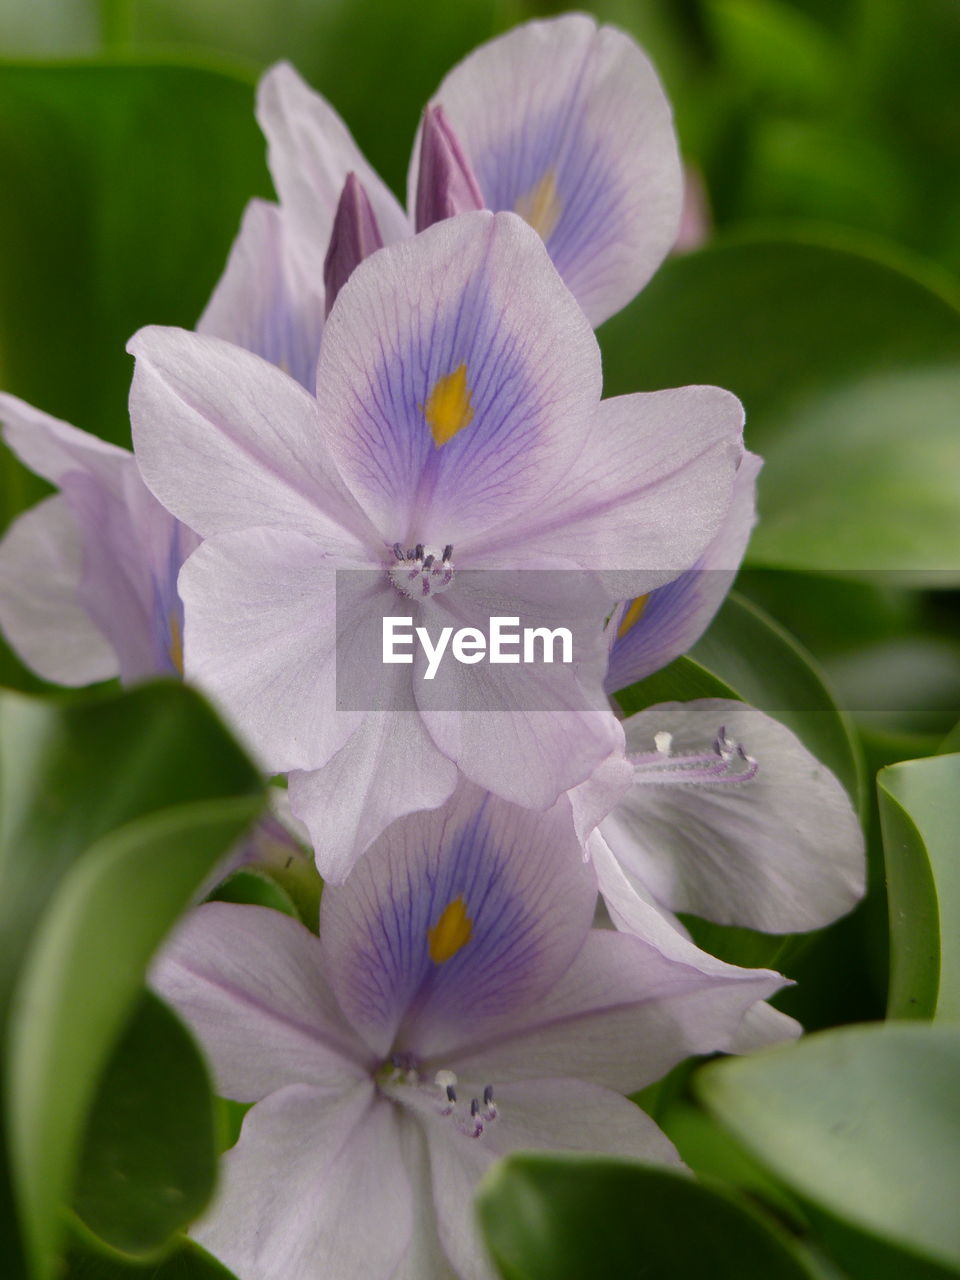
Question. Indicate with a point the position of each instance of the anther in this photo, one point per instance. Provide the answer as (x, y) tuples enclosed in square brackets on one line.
[(398, 551), (488, 1102), (418, 551), (447, 552)]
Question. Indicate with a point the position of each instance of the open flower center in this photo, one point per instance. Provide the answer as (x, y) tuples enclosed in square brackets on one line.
[(421, 571), (400, 1079)]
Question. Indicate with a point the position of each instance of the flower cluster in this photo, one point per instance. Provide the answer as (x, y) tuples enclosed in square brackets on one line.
[(383, 411)]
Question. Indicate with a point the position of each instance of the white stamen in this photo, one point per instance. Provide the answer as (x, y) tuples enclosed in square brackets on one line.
[(663, 741)]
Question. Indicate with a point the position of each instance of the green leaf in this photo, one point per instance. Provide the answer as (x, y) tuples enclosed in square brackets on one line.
[(149, 1153), (112, 813), (550, 1217), (253, 887), (862, 1123), (69, 774), (879, 495), (951, 742), (770, 50), (126, 185), (82, 976), (379, 64), (87, 1259), (918, 815), (846, 365)]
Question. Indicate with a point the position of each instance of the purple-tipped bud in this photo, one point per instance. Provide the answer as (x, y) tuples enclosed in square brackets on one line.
[(355, 236), (446, 184)]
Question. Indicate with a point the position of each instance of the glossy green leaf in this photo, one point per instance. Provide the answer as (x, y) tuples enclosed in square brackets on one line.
[(71, 773), (148, 1159), (550, 1217), (129, 183), (87, 1259), (879, 494), (83, 974), (864, 1124), (846, 366), (920, 819), (112, 813)]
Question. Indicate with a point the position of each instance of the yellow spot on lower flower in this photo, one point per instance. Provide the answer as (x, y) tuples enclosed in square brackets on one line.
[(176, 643), (632, 615), (449, 408), (452, 931), (541, 205)]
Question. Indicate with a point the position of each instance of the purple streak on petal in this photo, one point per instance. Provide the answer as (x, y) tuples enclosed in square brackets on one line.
[(133, 550), (675, 616), (446, 184), (355, 236), (127, 547), (525, 889), (473, 296), (566, 123)]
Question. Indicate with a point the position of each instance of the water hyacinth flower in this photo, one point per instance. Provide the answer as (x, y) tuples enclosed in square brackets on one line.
[(457, 1005), (457, 427), (88, 577), (560, 121), (729, 817)]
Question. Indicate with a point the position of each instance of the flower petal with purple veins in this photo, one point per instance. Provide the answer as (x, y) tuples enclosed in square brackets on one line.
[(452, 399), (455, 918), (647, 633), (565, 123)]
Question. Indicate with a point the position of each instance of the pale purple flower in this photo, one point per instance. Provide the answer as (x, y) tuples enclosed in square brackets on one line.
[(561, 121), (456, 1006), (729, 817), (88, 577), (457, 427)]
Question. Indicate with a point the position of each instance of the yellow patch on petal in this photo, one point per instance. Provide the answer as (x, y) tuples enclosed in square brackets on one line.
[(452, 931), (632, 615), (176, 643), (541, 205), (449, 408)]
